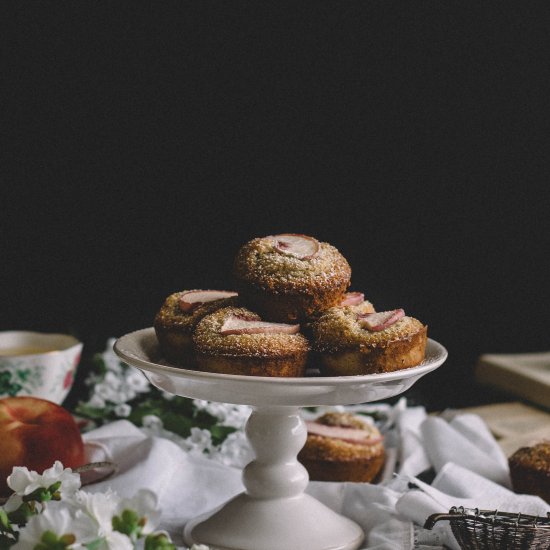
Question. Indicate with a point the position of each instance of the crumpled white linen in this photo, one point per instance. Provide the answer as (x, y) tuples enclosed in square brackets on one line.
[(186, 484), (471, 472)]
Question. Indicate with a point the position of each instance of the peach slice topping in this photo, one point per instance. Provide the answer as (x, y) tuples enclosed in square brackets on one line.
[(192, 299), (351, 435), (352, 299), (379, 321), (293, 244), (235, 324)]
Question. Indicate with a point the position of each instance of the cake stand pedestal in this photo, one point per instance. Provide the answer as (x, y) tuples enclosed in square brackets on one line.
[(273, 513)]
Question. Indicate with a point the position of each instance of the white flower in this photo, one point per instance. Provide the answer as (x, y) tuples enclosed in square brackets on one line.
[(234, 451), (96, 402), (60, 522), (199, 441), (144, 504), (152, 422), (227, 414), (107, 392), (99, 507), (23, 482), (199, 547), (236, 416), (115, 541), (111, 359), (137, 381), (123, 410)]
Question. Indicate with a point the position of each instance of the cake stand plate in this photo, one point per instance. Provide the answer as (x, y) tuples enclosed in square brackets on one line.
[(274, 512)]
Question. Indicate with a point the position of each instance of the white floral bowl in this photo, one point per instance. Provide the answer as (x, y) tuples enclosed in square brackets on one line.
[(38, 364)]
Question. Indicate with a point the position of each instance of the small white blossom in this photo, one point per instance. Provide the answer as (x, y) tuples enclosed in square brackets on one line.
[(137, 381), (99, 507), (111, 359), (199, 547), (23, 482), (227, 414), (115, 541), (96, 402), (152, 422), (234, 451), (123, 410), (109, 392), (144, 503), (198, 442), (59, 521)]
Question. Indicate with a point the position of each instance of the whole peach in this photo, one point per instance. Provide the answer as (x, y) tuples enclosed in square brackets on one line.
[(35, 433)]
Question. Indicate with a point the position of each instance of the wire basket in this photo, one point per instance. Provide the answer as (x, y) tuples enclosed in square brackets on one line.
[(491, 529)]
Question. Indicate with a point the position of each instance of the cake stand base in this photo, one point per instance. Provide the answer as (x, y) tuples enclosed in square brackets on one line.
[(299, 523), (274, 513)]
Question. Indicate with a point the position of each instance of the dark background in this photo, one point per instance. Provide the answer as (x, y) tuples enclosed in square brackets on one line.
[(147, 142)]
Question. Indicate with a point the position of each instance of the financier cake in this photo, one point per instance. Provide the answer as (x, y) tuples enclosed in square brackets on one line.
[(289, 277), (235, 340), (530, 470), (342, 447), (351, 342), (178, 316)]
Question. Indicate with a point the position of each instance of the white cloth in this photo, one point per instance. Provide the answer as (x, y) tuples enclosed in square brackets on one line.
[(185, 484), (471, 472), (413, 457)]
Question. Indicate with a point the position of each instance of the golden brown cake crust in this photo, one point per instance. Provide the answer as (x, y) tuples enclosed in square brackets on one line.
[(530, 470), (248, 354), (174, 327), (333, 459), (209, 340), (285, 288), (260, 264), (346, 348)]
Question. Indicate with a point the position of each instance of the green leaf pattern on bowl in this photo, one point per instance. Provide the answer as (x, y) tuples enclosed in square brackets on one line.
[(16, 379)]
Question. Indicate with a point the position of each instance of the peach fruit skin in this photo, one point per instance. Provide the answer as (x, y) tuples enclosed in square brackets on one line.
[(35, 433)]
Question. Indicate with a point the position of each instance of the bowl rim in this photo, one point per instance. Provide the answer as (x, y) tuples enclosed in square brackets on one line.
[(70, 342)]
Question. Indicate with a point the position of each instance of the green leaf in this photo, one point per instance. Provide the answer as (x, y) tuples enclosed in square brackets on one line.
[(176, 423), (95, 544), (91, 412), (21, 515), (98, 364), (49, 541), (219, 433), (5, 525), (7, 541), (204, 419), (128, 523), (39, 495), (144, 409), (158, 542)]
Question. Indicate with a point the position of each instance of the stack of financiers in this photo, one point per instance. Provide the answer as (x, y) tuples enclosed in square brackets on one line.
[(291, 306), (290, 303)]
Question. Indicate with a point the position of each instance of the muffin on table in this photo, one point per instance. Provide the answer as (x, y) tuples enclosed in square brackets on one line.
[(530, 470), (289, 277), (178, 316), (342, 447), (235, 340), (351, 342)]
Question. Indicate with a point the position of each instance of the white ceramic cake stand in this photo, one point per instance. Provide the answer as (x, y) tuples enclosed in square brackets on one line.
[(273, 513)]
